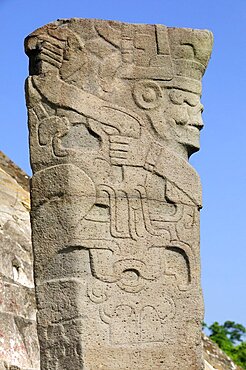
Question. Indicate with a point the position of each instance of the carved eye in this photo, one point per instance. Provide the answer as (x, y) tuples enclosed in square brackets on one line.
[(192, 100), (176, 97)]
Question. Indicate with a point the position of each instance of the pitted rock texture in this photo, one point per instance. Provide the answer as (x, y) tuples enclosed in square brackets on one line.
[(114, 114), (215, 358), (18, 337)]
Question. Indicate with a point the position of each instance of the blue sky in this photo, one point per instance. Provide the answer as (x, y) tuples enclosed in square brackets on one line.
[(221, 161)]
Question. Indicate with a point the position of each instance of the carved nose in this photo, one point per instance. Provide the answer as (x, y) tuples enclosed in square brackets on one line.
[(196, 122)]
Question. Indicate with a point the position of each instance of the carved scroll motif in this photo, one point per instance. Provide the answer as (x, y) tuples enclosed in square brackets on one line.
[(114, 114)]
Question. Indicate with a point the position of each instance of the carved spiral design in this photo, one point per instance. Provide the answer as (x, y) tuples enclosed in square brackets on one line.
[(147, 94)]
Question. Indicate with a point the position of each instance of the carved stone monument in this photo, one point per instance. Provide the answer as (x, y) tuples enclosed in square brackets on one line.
[(114, 114)]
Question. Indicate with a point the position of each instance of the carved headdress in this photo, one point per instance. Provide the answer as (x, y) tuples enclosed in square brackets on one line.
[(176, 57)]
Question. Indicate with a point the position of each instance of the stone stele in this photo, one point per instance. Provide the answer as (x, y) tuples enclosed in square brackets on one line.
[(114, 114)]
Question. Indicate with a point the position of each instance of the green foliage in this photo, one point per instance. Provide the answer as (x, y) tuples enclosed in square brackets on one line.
[(230, 338)]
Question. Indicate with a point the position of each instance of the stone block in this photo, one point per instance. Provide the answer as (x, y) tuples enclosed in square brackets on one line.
[(114, 115)]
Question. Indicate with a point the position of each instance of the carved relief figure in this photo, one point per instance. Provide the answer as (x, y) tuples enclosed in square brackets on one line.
[(114, 114)]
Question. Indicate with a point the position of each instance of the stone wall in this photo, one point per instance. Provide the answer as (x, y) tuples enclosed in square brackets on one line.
[(18, 338), (216, 358)]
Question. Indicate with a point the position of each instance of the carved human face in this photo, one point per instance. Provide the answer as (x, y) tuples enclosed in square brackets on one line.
[(175, 114), (183, 114)]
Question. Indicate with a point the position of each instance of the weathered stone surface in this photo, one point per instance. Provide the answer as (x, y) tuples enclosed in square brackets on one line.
[(14, 171), (114, 114), (215, 358), (18, 337)]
